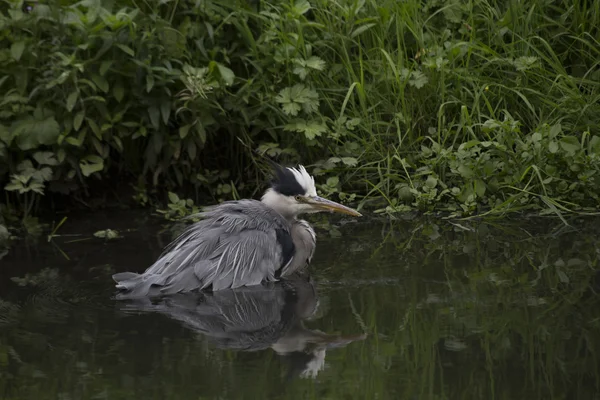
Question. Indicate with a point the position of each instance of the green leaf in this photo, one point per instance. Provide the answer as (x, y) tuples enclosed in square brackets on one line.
[(173, 198), (6, 135), (126, 49), (149, 82), (108, 234), (570, 144), (301, 7), (78, 120), (104, 66), (32, 132), (333, 181), (71, 101), (361, 29), (154, 115), (101, 82), (310, 129), (418, 79), (298, 97), (480, 187), (350, 161), (291, 108), (165, 110), (43, 174), (555, 130), (553, 147), (118, 91), (16, 50), (465, 171), (594, 144), (525, 63), (226, 74), (95, 128), (201, 131), (45, 158), (90, 164), (184, 130), (315, 62), (431, 182)]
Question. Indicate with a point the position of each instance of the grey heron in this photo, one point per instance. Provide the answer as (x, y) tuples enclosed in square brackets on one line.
[(239, 243)]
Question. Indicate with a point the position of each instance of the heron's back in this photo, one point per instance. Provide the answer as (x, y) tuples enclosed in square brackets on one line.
[(237, 243)]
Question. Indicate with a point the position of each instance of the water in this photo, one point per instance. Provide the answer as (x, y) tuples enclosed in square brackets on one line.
[(411, 309)]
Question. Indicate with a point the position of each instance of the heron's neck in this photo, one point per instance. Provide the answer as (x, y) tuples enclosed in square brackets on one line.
[(279, 203)]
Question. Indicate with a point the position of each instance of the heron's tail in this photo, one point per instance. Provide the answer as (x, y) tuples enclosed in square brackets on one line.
[(134, 285)]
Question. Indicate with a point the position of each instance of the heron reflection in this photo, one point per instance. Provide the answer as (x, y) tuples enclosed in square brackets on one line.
[(268, 316)]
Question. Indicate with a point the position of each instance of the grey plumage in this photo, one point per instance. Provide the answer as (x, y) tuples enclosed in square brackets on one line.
[(234, 245), (238, 243)]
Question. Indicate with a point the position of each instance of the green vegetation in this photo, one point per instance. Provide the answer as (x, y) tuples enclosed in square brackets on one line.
[(464, 106)]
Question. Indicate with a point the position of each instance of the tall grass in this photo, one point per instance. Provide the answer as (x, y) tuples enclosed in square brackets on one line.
[(466, 106)]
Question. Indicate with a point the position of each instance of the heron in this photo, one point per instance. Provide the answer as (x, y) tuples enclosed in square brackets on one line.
[(239, 242)]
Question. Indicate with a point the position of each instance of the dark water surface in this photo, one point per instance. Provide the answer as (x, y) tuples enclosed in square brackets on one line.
[(413, 309)]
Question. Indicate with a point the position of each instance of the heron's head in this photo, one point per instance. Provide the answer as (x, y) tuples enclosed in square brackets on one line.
[(293, 192)]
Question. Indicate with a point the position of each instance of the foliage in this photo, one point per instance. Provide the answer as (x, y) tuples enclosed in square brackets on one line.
[(466, 106)]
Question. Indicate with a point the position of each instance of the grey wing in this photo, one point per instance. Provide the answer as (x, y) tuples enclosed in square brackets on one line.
[(235, 245)]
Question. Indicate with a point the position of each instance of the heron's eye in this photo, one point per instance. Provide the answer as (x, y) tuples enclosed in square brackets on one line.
[(297, 198)]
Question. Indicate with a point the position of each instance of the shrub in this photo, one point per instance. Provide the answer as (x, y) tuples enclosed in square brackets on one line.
[(462, 105)]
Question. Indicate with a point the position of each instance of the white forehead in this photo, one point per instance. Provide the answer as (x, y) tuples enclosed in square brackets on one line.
[(305, 180)]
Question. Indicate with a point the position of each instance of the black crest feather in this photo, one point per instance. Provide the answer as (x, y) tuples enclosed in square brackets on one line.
[(285, 182)]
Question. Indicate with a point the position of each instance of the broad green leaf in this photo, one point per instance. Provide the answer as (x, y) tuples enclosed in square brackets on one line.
[(465, 171), (165, 110), (480, 187), (45, 158), (6, 135), (101, 82), (418, 79), (301, 7), (555, 130), (201, 131), (333, 181), (350, 161), (310, 129), (104, 66), (154, 115), (183, 131), (570, 144), (315, 62), (594, 144), (173, 198), (149, 83), (32, 132), (91, 164), (16, 50), (226, 74), (118, 91), (78, 120), (431, 182), (126, 49), (291, 108), (95, 128), (71, 101), (43, 174), (553, 147), (525, 63), (301, 71)]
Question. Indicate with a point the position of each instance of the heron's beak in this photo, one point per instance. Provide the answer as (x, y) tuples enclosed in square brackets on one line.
[(328, 205)]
